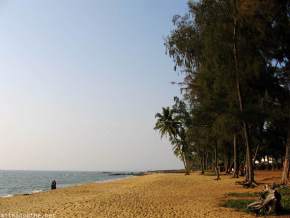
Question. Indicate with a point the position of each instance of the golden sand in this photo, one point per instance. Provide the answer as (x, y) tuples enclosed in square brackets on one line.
[(155, 195)]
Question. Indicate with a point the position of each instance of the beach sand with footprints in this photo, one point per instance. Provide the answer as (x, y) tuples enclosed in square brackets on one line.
[(153, 195)]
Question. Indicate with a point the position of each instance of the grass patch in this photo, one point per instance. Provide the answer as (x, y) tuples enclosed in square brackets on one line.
[(241, 204), (209, 173), (285, 193), (243, 194), (284, 190), (238, 204)]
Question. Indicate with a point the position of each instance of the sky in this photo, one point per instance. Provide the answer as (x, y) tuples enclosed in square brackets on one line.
[(81, 81)]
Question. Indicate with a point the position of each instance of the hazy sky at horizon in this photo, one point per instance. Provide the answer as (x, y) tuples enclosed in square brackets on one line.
[(80, 82)]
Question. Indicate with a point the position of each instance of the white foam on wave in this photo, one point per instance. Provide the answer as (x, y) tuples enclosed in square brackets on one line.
[(36, 191), (7, 196)]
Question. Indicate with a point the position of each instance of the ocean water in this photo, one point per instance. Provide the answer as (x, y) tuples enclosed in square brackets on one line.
[(27, 182)]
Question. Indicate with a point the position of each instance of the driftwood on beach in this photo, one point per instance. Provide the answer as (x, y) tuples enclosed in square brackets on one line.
[(270, 201)]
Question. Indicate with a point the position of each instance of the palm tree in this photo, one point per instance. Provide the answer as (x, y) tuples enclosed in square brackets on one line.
[(170, 122), (166, 124)]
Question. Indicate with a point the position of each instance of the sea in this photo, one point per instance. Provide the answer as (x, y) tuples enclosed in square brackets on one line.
[(14, 182)]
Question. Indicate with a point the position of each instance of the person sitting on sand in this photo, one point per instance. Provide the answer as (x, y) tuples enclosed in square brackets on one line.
[(53, 185)]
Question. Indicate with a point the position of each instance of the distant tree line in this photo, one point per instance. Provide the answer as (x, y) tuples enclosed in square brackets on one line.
[(235, 104)]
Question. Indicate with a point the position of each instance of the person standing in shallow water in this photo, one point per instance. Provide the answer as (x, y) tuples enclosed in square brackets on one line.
[(53, 185)]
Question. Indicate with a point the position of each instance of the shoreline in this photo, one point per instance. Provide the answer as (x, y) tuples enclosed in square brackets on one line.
[(151, 195), (33, 192)]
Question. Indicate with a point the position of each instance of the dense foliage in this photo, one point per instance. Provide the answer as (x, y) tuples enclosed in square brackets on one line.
[(234, 112)]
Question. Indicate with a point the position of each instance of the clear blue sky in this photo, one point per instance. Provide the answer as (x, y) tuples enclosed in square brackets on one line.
[(80, 82)]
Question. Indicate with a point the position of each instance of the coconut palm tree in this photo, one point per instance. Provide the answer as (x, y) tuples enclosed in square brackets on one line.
[(166, 124), (172, 123)]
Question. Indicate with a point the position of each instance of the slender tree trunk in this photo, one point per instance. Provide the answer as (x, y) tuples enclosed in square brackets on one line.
[(188, 166), (249, 156), (185, 164), (256, 152), (206, 161), (249, 164), (236, 167), (229, 159), (202, 164), (242, 168), (247, 174), (225, 158), (285, 172), (216, 163)]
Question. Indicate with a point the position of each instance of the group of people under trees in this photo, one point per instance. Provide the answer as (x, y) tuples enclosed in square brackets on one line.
[(235, 104)]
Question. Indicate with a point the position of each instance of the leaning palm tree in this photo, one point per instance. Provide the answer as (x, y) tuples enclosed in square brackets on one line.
[(170, 123), (183, 150), (166, 124)]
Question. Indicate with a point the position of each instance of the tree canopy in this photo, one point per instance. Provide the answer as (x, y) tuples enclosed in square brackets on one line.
[(234, 58)]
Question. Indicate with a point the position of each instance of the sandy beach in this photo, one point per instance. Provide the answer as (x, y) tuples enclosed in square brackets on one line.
[(154, 195)]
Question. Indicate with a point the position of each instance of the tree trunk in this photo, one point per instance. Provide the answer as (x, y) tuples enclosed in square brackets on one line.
[(236, 167), (188, 166), (216, 163), (285, 172), (249, 164), (250, 170), (270, 200), (226, 160), (185, 164), (256, 152), (206, 161), (202, 164), (229, 158)]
